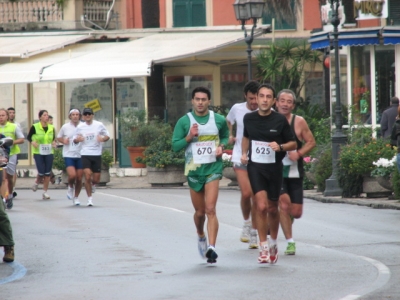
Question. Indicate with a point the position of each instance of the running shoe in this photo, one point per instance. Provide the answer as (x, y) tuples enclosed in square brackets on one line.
[(77, 202), (35, 187), (245, 237), (9, 201), (93, 188), (291, 249), (253, 240), (90, 202), (14, 193), (202, 246), (273, 254), (8, 254), (264, 254), (46, 196), (211, 255), (70, 193)]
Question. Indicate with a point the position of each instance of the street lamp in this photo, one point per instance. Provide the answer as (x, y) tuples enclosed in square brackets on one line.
[(338, 138), (246, 10)]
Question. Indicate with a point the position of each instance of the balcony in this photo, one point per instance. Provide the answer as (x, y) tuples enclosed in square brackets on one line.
[(32, 15)]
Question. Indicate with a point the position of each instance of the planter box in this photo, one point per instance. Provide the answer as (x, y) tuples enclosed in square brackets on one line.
[(373, 189), (168, 176), (229, 173)]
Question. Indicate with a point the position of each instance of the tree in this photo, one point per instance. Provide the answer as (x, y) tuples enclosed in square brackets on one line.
[(150, 13), (284, 64)]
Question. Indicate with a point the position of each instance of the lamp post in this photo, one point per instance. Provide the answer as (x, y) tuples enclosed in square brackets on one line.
[(246, 10), (338, 138)]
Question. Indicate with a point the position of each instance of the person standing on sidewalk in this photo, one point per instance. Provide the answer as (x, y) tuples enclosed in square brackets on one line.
[(203, 134), (266, 138), (14, 132), (291, 198), (389, 117), (91, 134), (42, 138), (72, 155), (11, 119), (235, 116), (6, 235)]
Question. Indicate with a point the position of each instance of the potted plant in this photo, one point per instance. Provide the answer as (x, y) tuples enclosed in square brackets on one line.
[(106, 161), (164, 166), (356, 164), (384, 169), (137, 133)]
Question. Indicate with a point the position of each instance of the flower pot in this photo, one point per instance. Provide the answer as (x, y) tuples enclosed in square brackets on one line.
[(385, 182), (229, 173), (373, 189), (168, 176), (135, 152)]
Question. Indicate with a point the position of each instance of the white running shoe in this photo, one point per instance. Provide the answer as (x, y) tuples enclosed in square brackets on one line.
[(253, 240), (245, 237), (35, 187), (90, 202), (264, 255), (202, 246), (93, 188), (46, 196), (76, 201), (70, 193)]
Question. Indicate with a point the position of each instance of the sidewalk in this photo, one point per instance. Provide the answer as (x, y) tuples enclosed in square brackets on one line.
[(140, 182)]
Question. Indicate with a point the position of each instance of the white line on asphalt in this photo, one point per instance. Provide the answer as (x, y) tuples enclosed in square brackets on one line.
[(140, 202), (18, 273)]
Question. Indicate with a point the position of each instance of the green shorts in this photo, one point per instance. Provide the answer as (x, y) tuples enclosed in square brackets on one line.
[(197, 183)]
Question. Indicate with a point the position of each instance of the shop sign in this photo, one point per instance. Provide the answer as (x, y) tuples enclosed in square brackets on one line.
[(94, 105), (370, 9)]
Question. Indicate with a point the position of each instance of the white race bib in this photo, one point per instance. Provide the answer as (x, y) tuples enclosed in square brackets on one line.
[(45, 149), (204, 152), (90, 138), (262, 153)]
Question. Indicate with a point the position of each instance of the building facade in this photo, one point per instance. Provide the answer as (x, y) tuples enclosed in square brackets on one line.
[(107, 60)]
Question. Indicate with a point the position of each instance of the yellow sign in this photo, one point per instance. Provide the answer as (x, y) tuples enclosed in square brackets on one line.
[(94, 105)]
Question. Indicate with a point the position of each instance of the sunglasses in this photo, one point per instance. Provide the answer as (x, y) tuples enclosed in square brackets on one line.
[(87, 114)]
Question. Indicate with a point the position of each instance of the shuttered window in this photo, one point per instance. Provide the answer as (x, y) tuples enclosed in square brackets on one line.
[(394, 12), (189, 13), (286, 22)]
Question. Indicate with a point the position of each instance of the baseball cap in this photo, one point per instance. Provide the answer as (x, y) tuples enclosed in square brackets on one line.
[(87, 110)]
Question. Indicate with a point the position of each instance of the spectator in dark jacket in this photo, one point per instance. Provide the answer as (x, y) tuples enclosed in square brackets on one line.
[(389, 117)]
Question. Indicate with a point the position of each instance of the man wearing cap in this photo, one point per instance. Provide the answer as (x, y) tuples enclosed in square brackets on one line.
[(92, 134), (72, 155), (389, 117)]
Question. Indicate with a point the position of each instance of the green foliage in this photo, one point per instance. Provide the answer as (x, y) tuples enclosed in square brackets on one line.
[(284, 62), (135, 130), (318, 121), (58, 162), (323, 168), (396, 183), (159, 152)]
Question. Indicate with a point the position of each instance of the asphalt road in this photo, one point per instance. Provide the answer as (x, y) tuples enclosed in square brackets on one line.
[(141, 244)]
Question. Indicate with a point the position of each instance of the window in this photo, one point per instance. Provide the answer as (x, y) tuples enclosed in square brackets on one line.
[(285, 22), (189, 13), (394, 13)]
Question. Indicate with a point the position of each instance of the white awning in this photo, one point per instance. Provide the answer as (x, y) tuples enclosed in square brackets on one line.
[(28, 70), (135, 58), (17, 46)]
